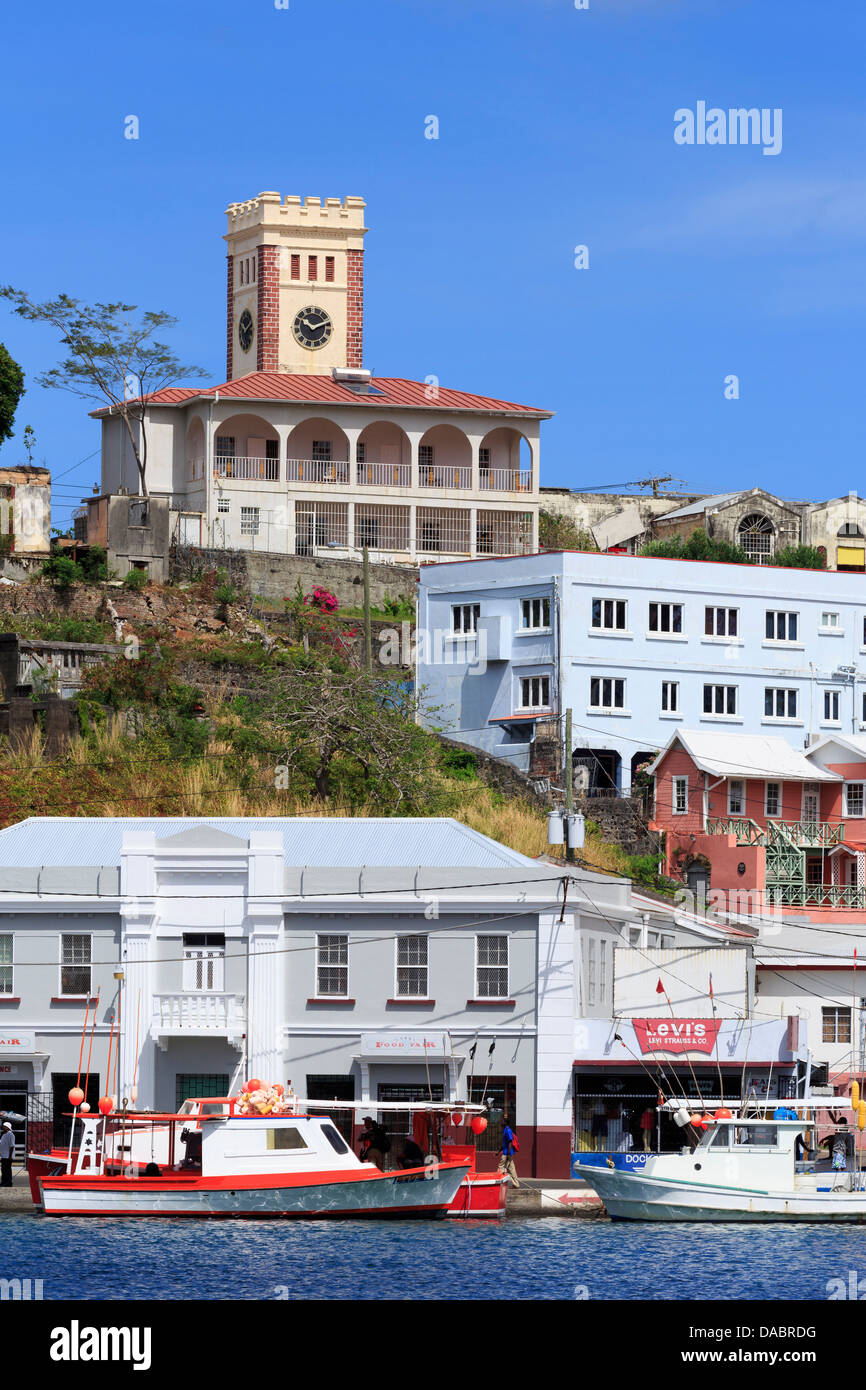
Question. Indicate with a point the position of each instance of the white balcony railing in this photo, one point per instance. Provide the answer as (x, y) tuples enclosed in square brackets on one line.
[(441, 475), (190, 1013), (505, 480), (384, 475), (317, 471), (258, 469)]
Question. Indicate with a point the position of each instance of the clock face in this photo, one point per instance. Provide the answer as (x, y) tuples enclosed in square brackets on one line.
[(312, 327), (246, 330)]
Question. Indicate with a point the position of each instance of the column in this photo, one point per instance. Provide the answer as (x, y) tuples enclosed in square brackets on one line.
[(137, 1010), (555, 1045)]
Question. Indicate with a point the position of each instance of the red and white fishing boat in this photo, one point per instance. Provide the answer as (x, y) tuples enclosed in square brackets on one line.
[(216, 1157)]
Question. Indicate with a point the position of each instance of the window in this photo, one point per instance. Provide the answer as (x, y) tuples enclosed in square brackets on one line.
[(322, 450), (336, 1141), (721, 622), (6, 964), (491, 972), (772, 798), (332, 962), (608, 614), (780, 704), (204, 956), (535, 692), (188, 1085), (606, 693), (484, 457), (831, 706), (755, 537), (736, 797), (249, 521), (781, 627), (361, 451), (836, 1025), (720, 699), (464, 618), (296, 267), (313, 268), (75, 960), (830, 622), (670, 697), (225, 446), (329, 269), (412, 967), (854, 798), (223, 504), (425, 455), (666, 617), (289, 1138), (680, 797), (535, 613)]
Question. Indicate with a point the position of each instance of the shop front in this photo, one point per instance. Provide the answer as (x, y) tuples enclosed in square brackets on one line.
[(626, 1067)]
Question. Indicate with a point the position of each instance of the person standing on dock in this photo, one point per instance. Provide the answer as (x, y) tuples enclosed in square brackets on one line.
[(7, 1149), (509, 1148)]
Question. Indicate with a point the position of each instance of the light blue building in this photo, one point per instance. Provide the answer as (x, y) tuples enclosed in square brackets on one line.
[(635, 646)]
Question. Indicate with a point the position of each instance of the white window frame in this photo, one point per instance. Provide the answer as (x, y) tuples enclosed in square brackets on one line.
[(489, 936), (224, 504), (526, 685), (321, 964), (251, 521), (777, 814), (666, 611), (854, 814), (727, 635), (425, 966), (614, 604), (531, 606), (212, 960), (720, 714), (8, 965), (670, 697), (832, 698), (679, 796), (613, 681), (79, 994), (736, 810), (786, 691), (464, 619), (780, 619), (830, 626)]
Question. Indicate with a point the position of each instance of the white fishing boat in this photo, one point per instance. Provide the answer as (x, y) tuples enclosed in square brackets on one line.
[(739, 1167)]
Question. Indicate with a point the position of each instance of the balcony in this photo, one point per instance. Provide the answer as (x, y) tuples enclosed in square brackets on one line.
[(505, 480), (441, 475), (384, 475), (191, 1014), (799, 833), (821, 895), (247, 469), (318, 471)]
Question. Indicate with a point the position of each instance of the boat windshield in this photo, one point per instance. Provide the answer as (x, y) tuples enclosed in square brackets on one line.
[(744, 1137)]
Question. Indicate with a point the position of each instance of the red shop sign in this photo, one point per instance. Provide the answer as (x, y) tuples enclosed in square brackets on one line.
[(676, 1034)]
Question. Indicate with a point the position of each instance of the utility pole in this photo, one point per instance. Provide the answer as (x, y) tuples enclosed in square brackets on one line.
[(569, 789), (368, 637)]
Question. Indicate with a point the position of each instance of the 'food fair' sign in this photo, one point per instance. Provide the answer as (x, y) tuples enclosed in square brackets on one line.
[(676, 1034), (17, 1042)]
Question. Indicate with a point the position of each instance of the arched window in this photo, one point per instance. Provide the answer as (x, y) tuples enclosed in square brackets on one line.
[(849, 528), (755, 536)]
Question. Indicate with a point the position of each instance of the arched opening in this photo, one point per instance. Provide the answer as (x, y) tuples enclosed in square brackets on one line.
[(596, 771), (247, 447), (383, 456), (756, 537), (317, 451), (505, 461), (445, 458), (195, 451)]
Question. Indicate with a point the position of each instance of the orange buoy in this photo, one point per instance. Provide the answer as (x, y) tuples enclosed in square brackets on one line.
[(76, 1096), (252, 1085), (723, 1114), (479, 1124), (106, 1105), (855, 1094)]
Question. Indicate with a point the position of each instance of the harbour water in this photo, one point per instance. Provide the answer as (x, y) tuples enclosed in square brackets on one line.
[(547, 1258)]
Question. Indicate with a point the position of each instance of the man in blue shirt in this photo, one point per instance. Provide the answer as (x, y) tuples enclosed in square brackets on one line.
[(506, 1162)]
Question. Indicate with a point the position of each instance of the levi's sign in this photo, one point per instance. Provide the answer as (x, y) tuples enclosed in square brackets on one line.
[(676, 1034)]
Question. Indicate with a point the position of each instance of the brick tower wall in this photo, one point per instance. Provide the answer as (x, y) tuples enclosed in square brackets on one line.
[(355, 309), (268, 327), (230, 314)]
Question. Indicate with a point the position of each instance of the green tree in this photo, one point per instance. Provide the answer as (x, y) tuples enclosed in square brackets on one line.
[(113, 358), (799, 557), (11, 391), (699, 546), (557, 532)]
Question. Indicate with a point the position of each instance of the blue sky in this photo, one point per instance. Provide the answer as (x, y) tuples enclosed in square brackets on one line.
[(556, 130)]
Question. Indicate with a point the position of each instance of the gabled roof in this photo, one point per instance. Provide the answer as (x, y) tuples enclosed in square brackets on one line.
[(745, 755), (855, 744), (299, 388)]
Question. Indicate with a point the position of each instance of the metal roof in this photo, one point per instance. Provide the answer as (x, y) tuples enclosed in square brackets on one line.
[(706, 504), (745, 755), (385, 842)]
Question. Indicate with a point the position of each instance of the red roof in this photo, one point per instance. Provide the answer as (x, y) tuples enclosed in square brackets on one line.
[(386, 392)]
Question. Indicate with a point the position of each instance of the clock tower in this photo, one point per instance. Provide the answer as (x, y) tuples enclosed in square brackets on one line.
[(295, 285)]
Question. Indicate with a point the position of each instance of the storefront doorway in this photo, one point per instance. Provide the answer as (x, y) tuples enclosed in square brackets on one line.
[(398, 1123), (61, 1084)]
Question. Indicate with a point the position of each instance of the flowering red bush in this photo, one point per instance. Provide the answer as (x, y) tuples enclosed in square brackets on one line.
[(323, 599)]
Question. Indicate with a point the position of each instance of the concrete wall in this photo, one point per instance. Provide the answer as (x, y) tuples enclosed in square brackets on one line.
[(276, 576)]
